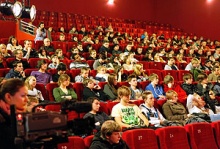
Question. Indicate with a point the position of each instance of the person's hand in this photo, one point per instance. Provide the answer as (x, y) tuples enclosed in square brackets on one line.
[(189, 115), (204, 85)]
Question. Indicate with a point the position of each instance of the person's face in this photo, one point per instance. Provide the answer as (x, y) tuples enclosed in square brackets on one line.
[(43, 52), (44, 66), (212, 95), (171, 61), (60, 53), (106, 45), (20, 99), (195, 65), (19, 67), (96, 105), (19, 54), (155, 80), (174, 98), (93, 54), (116, 48), (91, 85), (85, 74), (150, 100), (77, 58), (54, 59), (205, 81), (125, 98), (115, 80), (102, 71), (62, 38), (14, 41), (3, 49), (133, 82), (139, 50), (189, 81), (47, 42), (33, 82), (114, 138), (66, 82), (42, 26)]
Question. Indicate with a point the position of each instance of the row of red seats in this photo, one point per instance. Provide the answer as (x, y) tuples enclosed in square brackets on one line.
[(191, 136)]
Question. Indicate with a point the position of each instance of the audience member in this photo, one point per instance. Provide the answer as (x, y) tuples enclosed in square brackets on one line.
[(109, 137), (188, 85), (19, 57), (54, 62), (136, 93), (78, 63), (61, 69), (40, 32), (47, 45), (41, 75), (125, 114), (30, 83), (84, 74), (110, 88), (99, 62), (170, 64), (13, 44), (102, 75), (4, 51), (155, 88), (62, 92), (140, 73), (28, 51), (203, 85), (99, 117), (212, 77), (16, 72)]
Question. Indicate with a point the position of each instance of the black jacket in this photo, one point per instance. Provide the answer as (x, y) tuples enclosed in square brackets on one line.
[(100, 143), (188, 88), (6, 134)]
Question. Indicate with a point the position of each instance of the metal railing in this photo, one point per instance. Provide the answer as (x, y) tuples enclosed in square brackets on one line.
[(27, 27)]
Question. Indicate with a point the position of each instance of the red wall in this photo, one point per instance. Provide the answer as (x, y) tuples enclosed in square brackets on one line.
[(130, 9), (193, 16), (7, 29)]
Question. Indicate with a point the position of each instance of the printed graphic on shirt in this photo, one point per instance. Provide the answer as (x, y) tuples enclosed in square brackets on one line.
[(129, 116)]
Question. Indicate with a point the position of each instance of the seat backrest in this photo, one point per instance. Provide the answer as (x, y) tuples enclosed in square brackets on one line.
[(43, 90), (78, 88), (110, 105), (140, 139), (4, 71), (88, 141), (172, 137), (201, 136), (50, 87), (216, 130), (75, 142)]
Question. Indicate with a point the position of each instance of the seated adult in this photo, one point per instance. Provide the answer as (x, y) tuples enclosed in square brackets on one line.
[(170, 64), (78, 63), (173, 110), (147, 108), (101, 75), (28, 51), (54, 62), (169, 84), (188, 85), (16, 72), (19, 57), (214, 74), (211, 102), (92, 90), (63, 93), (203, 85), (47, 45), (41, 75), (61, 69), (110, 88), (154, 87), (30, 83), (99, 62), (84, 74), (195, 104), (99, 117), (136, 93), (13, 44), (109, 137), (140, 73), (125, 114)]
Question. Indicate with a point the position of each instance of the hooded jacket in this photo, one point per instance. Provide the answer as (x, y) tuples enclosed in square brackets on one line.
[(100, 143)]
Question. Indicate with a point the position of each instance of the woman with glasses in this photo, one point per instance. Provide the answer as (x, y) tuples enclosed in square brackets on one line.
[(212, 102)]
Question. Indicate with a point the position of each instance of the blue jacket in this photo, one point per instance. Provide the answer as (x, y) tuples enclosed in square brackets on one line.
[(156, 91)]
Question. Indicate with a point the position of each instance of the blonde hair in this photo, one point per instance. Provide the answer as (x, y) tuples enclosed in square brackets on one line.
[(62, 78), (27, 84), (101, 67), (168, 79), (108, 127), (170, 94), (194, 61), (123, 91), (145, 94), (153, 76), (137, 68)]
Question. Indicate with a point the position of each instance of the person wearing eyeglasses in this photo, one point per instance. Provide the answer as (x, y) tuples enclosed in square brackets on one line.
[(17, 71), (212, 102), (47, 45)]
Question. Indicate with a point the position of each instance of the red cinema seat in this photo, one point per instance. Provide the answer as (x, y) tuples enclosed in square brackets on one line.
[(29, 70), (110, 105), (143, 84), (50, 87), (156, 65), (43, 90), (216, 130), (88, 141), (173, 73), (75, 142), (181, 73), (78, 88), (60, 45), (140, 139), (156, 71), (173, 137), (103, 107), (201, 136), (55, 108), (119, 84), (4, 71)]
